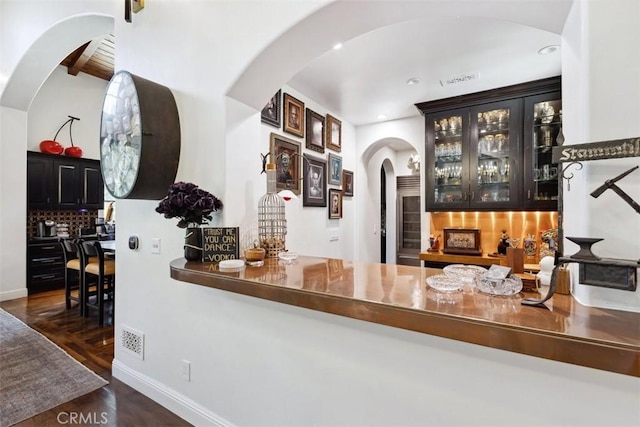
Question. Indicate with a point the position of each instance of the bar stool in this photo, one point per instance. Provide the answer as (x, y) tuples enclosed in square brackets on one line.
[(104, 271), (73, 262)]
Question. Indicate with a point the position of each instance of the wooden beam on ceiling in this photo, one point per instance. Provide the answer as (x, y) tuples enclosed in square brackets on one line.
[(75, 66)]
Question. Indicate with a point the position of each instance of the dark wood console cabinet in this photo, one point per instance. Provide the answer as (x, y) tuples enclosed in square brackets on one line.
[(491, 150), (60, 182), (45, 266)]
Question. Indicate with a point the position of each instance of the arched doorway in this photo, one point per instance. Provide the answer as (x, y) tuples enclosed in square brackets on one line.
[(46, 52)]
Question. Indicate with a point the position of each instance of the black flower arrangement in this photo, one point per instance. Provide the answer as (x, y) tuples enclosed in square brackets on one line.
[(190, 203)]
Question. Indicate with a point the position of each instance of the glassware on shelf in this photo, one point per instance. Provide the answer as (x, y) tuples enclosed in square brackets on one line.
[(547, 113)]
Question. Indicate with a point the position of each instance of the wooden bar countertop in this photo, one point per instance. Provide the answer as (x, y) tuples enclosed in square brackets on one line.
[(398, 296)]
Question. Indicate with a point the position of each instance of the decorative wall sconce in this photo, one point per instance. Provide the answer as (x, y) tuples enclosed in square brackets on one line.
[(414, 163)]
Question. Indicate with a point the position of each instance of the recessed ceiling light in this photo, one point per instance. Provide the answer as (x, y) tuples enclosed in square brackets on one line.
[(548, 49), (413, 81), (337, 46), (382, 116)]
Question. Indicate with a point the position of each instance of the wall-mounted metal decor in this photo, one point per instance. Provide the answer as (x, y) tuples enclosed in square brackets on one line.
[(611, 184), (601, 150)]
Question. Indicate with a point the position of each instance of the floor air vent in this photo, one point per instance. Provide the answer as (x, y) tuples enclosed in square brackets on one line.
[(132, 342)]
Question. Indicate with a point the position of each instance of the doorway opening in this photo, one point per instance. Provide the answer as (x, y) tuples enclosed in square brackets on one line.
[(383, 215)]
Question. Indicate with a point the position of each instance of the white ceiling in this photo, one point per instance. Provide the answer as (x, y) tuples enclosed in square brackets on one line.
[(367, 76)]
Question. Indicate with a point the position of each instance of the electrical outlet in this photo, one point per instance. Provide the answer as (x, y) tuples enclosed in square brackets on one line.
[(155, 245), (186, 370)]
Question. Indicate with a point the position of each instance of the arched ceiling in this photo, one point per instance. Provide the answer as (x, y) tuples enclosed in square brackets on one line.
[(385, 43)]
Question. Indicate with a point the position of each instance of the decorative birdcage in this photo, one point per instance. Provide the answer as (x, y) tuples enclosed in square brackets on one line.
[(272, 224)]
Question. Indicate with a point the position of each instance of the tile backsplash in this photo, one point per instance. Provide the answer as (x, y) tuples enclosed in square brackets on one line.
[(73, 219)]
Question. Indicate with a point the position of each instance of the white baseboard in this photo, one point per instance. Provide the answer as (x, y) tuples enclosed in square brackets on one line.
[(180, 405), (14, 294)]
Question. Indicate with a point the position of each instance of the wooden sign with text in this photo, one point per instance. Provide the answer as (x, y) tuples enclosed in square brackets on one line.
[(220, 243), (597, 150)]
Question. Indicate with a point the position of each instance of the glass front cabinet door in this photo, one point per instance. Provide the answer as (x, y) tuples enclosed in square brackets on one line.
[(475, 154), (542, 132), (448, 174)]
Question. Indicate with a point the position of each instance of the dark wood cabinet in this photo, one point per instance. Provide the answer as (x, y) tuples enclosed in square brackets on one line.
[(59, 182), (476, 154), (487, 151), (45, 266), (39, 181), (542, 132)]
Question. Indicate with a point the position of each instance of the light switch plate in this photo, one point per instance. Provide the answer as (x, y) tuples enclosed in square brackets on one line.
[(155, 245)]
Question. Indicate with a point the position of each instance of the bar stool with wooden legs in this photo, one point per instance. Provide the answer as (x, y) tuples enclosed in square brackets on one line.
[(74, 264), (103, 271)]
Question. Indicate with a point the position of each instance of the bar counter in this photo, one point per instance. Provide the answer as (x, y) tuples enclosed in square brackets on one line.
[(398, 296)]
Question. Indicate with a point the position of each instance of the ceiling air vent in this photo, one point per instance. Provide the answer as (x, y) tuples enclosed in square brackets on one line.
[(460, 78)]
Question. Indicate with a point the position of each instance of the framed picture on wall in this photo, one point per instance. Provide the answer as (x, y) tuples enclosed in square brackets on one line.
[(285, 153), (293, 115), (315, 131), (335, 203), (333, 133), (314, 182), (347, 183), (335, 169), (271, 112)]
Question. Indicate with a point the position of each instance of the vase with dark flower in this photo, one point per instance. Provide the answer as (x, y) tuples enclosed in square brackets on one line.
[(194, 207), (193, 244)]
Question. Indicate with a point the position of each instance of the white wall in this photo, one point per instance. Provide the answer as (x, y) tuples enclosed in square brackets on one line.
[(601, 101), (64, 95), (372, 151), (256, 362)]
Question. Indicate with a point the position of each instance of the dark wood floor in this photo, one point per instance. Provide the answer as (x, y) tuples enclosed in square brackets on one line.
[(93, 347)]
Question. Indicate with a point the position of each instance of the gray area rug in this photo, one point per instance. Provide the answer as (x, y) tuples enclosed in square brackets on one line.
[(35, 374)]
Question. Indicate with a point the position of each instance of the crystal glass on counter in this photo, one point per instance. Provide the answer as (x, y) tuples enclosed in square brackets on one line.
[(465, 273), (445, 283), (497, 286)]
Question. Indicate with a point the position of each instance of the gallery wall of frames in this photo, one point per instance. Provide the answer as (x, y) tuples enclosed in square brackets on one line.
[(307, 153)]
